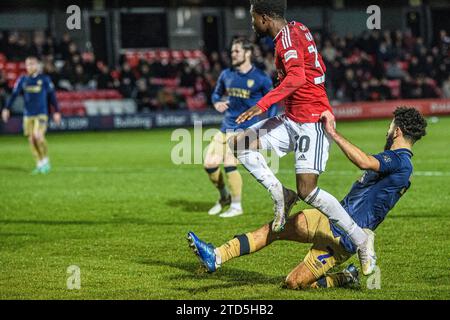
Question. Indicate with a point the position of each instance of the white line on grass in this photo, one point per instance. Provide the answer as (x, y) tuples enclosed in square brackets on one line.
[(152, 170)]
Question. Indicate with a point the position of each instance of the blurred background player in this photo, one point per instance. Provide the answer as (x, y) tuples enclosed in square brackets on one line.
[(385, 180), (37, 89), (242, 85)]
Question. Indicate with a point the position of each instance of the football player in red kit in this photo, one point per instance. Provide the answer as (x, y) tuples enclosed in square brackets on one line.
[(301, 72)]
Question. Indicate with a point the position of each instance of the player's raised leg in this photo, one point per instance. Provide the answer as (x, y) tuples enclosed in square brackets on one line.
[(329, 205), (311, 153), (213, 159), (267, 134)]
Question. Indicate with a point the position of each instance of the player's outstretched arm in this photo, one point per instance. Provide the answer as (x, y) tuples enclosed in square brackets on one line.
[(249, 114), (353, 153)]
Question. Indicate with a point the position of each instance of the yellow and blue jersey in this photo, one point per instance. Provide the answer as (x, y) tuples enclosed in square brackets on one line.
[(376, 193), (243, 91), (36, 91)]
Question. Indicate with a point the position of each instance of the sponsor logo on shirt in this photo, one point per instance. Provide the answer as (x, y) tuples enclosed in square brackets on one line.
[(33, 89), (291, 54), (239, 93)]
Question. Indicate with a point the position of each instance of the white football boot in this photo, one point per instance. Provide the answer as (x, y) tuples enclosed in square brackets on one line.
[(217, 208), (282, 209), (366, 254), (234, 211)]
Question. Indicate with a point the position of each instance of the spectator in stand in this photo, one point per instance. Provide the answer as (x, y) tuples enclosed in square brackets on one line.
[(63, 47), (446, 88), (167, 99), (80, 81), (187, 77), (3, 42), (23, 50), (329, 52), (358, 67), (145, 72), (144, 98), (104, 79), (3, 89), (127, 81), (12, 46), (50, 70), (39, 47), (428, 86), (394, 70)]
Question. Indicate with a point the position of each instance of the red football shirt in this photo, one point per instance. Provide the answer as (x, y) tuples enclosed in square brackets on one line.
[(301, 72)]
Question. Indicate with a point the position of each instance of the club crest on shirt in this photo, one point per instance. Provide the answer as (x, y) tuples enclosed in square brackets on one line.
[(250, 83), (39, 82), (387, 158)]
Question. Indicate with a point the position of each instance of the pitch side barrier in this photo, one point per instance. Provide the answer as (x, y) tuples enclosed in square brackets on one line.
[(176, 119)]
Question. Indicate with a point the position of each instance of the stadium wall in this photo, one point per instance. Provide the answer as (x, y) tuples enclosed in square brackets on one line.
[(174, 119)]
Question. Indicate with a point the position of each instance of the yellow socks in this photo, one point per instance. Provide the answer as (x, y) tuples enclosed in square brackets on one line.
[(239, 246), (216, 177), (235, 183)]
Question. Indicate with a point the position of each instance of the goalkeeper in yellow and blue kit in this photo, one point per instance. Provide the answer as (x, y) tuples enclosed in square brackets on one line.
[(243, 85), (37, 89)]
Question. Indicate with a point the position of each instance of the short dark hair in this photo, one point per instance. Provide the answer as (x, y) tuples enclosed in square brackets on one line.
[(271, 8), (411, 122), (246, 44)]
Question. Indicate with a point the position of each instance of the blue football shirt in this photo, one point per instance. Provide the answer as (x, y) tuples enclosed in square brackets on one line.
[(36, 92), (376, 193), (243, 91)]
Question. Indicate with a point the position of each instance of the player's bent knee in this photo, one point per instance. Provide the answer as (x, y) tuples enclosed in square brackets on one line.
[(211, 162), (39, 139), (294, 283)]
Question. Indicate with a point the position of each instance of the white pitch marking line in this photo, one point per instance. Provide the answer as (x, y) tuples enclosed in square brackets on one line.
[(181, 168)]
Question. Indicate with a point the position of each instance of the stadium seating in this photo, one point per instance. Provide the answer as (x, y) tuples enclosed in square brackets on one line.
[(133, 57), (12, 70), (94, 103)]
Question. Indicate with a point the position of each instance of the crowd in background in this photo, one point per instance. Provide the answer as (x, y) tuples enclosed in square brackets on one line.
[(374, 66)]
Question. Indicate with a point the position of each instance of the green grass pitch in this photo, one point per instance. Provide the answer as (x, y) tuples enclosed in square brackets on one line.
[(117, 207)]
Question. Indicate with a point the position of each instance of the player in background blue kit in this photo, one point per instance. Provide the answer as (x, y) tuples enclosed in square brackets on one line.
[(36, 88), (385, 180), (237, 90)]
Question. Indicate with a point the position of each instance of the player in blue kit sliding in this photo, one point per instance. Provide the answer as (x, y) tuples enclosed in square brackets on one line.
[(385, 180), (36, 88), (241, 86)]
